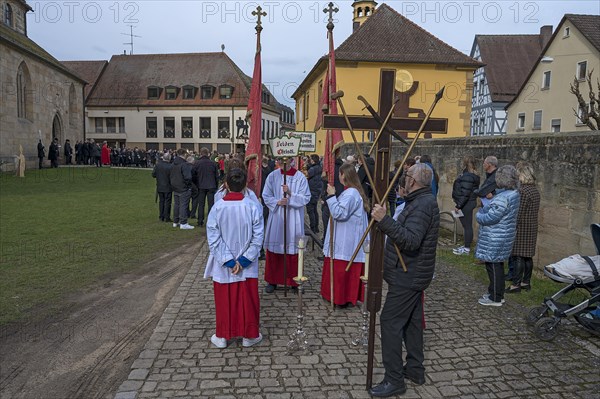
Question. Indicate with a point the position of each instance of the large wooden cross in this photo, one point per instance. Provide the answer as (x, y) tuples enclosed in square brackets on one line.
[(381, 180)]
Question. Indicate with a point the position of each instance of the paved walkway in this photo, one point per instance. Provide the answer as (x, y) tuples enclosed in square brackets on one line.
[(471, 351)]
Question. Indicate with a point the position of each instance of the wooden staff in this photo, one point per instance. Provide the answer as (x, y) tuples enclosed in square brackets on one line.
[(438, 97), (285, 230), (331, 233)]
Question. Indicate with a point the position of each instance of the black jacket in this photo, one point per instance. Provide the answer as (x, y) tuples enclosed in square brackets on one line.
[(362, 176), (315, 182), (206, 174), (488, 186), (266, 171), (53, 152), (95, 151), (463, 189), (41, 150), (68, 150), (181, 175), (339, 187), (416, 234), (162, 174)]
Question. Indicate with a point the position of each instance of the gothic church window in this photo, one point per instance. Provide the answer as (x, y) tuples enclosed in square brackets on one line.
[(24, 97), (8, 15)]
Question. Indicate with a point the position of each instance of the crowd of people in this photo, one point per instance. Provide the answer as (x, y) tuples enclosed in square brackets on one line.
[(243, 227)]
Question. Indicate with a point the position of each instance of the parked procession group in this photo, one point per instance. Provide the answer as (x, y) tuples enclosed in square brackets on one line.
[(244, 227)]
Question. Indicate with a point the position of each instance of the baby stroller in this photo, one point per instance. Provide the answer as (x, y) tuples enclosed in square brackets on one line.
[(547, 317)]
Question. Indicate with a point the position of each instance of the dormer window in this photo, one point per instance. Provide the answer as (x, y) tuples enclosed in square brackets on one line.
[(567, 31), (207, 92), (153, 92), (189, 92), (8, 15), (171, 92), (225, 92), (266, 98)]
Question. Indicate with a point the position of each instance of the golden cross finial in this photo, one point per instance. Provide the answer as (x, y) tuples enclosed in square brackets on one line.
[(331, 9), (260, 13)]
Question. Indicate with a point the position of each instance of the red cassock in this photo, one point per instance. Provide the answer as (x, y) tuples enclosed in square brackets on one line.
[(274, 271), (105, 155), (237, 309), (347, 286)]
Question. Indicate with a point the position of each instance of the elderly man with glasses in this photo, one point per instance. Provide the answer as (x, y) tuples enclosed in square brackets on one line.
[(415, 232)]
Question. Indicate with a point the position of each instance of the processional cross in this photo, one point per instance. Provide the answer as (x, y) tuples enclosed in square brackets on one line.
[(381, 179), (259, 13)]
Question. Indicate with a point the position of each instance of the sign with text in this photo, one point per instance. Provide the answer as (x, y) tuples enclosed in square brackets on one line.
[(308, 141), (285, 146)]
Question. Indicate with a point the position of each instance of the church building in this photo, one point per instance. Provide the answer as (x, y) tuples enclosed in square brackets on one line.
[(383, 39), (41, 98)]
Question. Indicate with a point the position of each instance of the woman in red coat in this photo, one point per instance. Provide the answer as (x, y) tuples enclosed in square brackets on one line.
[(105, 154)]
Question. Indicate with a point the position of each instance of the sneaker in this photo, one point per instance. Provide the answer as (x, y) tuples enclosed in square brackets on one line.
[(270, 288), (488, 302), (487, 296), (186, 227), (218, 342), (248, 342), (461, 251), (175, 224)]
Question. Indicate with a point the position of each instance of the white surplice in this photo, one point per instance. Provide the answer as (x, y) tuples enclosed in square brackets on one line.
[(300, 196), (233, 229), (222, 192), (349, 224)]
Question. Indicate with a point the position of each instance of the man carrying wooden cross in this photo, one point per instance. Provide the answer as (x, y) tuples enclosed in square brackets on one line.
[(415, 232)]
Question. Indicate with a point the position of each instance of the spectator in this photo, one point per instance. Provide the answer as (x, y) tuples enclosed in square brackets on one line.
[(68, 152), (181, 183), (162, 173), (465, 200), (498, 221), (488, 188), (435, 179), (206, 173), (362, 175), (41, 153), (315, 184), (53, 153), (523, 249)]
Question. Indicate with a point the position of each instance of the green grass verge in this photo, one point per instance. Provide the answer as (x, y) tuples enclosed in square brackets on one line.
[(62, 230), (541, 286)]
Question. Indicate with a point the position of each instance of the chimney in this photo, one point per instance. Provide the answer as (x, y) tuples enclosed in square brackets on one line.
[(355, 26), (545, 35)]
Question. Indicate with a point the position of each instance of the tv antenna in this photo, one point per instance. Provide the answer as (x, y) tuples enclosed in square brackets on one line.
[(131, 35)]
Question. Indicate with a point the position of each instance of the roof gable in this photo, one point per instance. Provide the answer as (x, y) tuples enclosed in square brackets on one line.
[(508, 59), (387, 36), (127, 77), (90, 71)]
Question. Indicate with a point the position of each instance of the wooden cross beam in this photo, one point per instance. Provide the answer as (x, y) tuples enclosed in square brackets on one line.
[(364, 122)]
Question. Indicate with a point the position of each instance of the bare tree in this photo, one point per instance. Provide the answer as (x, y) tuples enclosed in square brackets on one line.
[(589, 116)]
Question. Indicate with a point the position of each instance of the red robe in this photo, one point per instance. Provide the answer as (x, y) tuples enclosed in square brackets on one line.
[(347, 286), (105, 155)]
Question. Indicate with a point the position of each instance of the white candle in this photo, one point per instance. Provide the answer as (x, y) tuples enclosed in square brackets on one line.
[(366, 249), (300, 258)]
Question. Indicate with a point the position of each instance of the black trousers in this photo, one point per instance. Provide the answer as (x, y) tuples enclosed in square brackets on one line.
[(41, 165), (69, 160), (523, 267), (54, 163), (181, 206), (325, 217), (205, 195), (495, 271), (467, 222), (313, 215), (164, 205), (402, 321), (195, 196)]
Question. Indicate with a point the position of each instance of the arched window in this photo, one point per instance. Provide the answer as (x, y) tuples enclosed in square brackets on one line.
[(367, 11), (72, 106), (359, 12), (24, 97), (8, 15)]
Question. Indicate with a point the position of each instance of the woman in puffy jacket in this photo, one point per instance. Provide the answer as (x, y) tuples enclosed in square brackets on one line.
[(498, 221), (465, 200)]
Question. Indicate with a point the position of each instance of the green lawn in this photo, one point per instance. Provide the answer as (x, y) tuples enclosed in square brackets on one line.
[(61, 230), (542, 286)]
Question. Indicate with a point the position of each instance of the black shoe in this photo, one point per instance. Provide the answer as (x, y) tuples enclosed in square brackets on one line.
[(320, 258), (168, 220), (344, 306), (512, 290), (262, 257), (201, 223), (270, 288), (526, 287), (386, 389), (415, 380), (507, 277)]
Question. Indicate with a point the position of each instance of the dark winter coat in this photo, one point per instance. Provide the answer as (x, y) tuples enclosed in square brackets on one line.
[(488, 186), (527, 222), (463, 189), (315, 181), (416, 235), (206, 174), (68, 149), (41, 150), (53, 152), (339, 187), (96, 151), (181, 175), (162, 174), (362, 176)]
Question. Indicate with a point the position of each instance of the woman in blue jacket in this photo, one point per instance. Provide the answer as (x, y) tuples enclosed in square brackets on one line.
[(498, 224)]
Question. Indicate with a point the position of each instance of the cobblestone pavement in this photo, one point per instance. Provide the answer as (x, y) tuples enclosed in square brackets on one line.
[(471, 351)]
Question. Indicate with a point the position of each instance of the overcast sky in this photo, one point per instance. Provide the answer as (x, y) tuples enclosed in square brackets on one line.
[(294, 35)]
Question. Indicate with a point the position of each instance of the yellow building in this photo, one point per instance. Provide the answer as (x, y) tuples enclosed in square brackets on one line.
[(384, 39)]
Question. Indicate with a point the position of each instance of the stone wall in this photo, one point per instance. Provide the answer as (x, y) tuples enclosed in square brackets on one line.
[(567, 169)]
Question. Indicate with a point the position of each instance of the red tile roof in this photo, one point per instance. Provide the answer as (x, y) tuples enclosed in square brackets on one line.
[(88, 70), (508, 59), (126, 79)]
